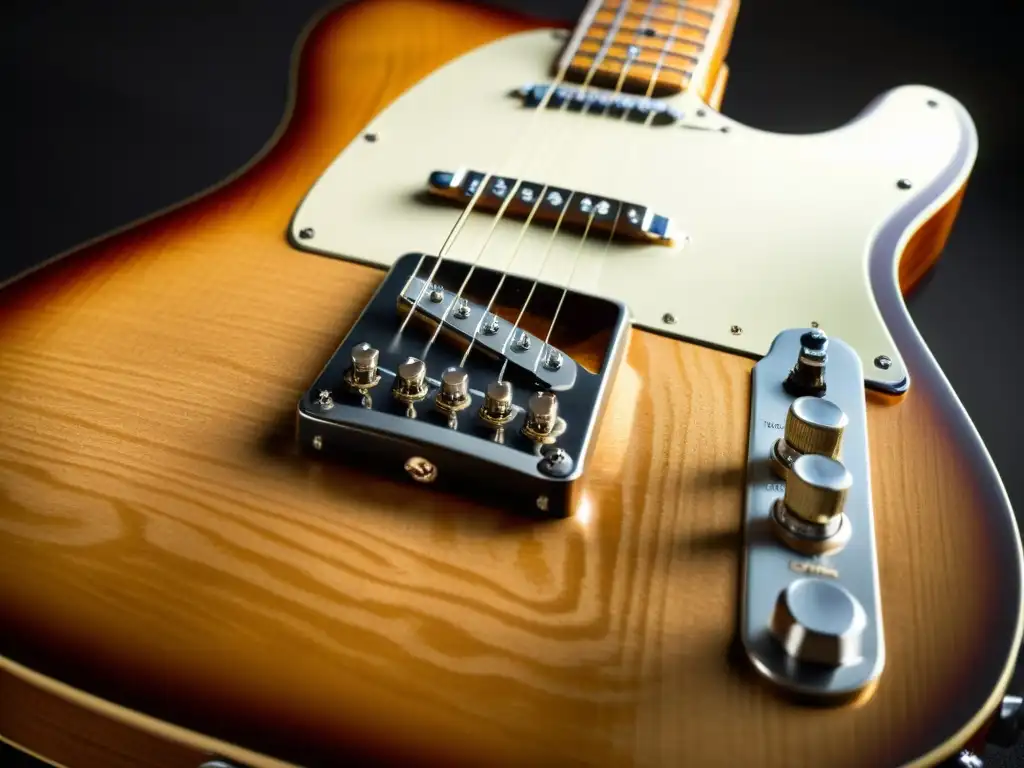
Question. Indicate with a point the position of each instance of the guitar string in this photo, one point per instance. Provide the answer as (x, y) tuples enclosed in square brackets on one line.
[(583, 90), (652, 84), (596, 62), (526, 134)]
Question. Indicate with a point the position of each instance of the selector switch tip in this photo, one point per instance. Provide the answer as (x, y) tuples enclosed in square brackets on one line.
[(820, 622)]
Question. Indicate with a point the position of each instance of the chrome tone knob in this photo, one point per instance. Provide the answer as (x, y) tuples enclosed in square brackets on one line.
[(410, 381), (814, 425), (497, 408), (363, 372), (809, 517), (819, 621), (816, 489), (454, 394), (808, 375)]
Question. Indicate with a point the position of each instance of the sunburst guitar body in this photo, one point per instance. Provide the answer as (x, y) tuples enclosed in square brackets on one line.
[(514, 407)]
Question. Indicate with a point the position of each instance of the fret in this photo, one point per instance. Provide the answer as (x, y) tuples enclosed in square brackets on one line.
[(647, 47), (686, 33), (687, 49), (638, 55)]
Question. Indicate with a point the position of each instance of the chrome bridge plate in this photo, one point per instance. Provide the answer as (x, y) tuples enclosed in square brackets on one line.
[(458, 450), (769, 566)]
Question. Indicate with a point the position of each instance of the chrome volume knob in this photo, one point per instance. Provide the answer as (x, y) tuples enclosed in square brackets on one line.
[(809, 517), (363, 374), (820, 622), (814, 425), (411, 381), (497, 408), (454, 394)]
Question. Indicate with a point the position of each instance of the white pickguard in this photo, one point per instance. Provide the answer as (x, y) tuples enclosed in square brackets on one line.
[(780, 227)]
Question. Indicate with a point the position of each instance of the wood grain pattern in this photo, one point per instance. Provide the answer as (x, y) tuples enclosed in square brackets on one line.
[(162, 547)]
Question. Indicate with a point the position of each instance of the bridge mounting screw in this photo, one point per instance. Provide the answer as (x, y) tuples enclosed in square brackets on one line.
[(735, 330), (543, 503), (556, 462), (883, 362), (904, 184), (318, 442), (325, 400), (668, 318), (370, 137), (306, 233)]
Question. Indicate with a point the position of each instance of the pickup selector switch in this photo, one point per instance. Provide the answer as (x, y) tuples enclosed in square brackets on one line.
[(808, 375), (814, 425), (809, 517)]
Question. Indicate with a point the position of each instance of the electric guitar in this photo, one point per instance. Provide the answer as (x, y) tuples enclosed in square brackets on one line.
[(516, 407)]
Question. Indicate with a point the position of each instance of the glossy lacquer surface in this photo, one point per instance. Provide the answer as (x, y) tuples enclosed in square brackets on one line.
[(162, 548)]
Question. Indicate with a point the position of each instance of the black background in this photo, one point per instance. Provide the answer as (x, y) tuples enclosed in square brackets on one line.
[(115, 109)]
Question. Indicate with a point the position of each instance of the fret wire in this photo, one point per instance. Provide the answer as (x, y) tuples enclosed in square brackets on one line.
[(650, 48), (641, 31), (634, 63), (634, 15), (684, 7)]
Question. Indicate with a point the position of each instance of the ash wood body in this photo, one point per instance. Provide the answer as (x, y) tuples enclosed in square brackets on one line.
[(162, 549)]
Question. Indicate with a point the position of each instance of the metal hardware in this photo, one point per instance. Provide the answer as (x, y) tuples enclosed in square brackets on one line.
[(411, 381), (362, 374), (325, 400), (462, 309), (808, 375), (816, 528), (600, 102), (370, 137), (543, 503), (497, 409), (421, 470), (735, 330), (318, 442), (904, 184), (543, 424), (306, 233), (490, 325), (554, 359), (883, 362), (668, 318), (813, 425), (498, 464), (522, 360), (556, 463), (577, 210)]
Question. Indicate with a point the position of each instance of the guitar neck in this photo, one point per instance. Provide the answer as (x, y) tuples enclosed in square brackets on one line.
[(649, 47)]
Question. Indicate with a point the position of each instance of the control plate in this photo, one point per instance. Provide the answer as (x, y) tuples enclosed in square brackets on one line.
[(769, 567)]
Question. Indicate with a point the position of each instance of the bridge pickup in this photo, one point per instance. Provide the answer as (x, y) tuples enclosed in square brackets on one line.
[(630, 221), (494, 335), (598, 102)]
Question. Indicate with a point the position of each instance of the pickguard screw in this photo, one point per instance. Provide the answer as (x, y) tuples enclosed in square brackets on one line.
[(542, 503), (735, 330), (904, 184), (555, 462), (933, 103), (883, 362), (668, 318), (814, 324), (318, 442), (701, 113), (306, 233), (370, 137)]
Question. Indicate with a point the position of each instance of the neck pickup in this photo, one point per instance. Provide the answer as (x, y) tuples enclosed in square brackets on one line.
[(619, 219)]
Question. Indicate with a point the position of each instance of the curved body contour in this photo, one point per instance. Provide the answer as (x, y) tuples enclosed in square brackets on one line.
[(175, 583)]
